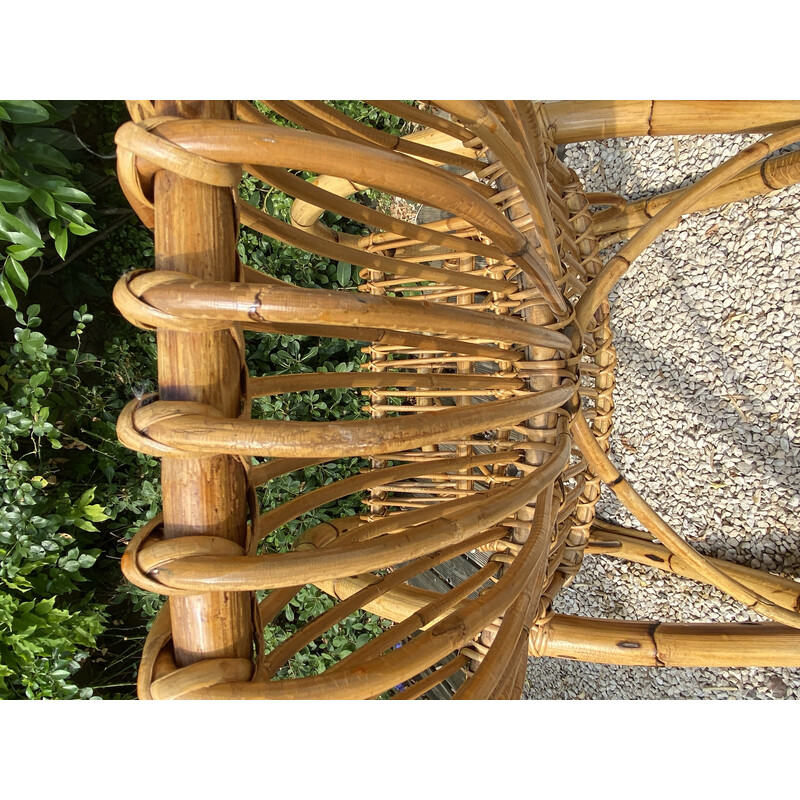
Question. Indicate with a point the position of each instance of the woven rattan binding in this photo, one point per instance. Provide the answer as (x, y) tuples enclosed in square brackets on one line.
[(489, 387)]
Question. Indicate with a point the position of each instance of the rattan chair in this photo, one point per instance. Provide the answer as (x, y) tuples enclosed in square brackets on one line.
[(489, 382)]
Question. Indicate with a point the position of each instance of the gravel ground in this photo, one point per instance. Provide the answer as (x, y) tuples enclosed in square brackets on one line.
[(706, 426)]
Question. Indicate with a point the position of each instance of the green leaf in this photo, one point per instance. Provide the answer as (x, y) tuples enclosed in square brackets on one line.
[(48, 182), (86, 497), (81, 230), (60, 109), (45, 606), (24, 112), (16, 273), (7, 294), (45, 201), (10, 166), (62, 241), (20, 252), (70, 194), (61, 140), (4, 115), (45, 155), (95, 512), (17, 231), (11, 192), (84, 525), (71, 214), (343, 273), (26, 219)]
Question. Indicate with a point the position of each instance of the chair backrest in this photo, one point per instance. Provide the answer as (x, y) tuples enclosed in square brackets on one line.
[(489, 385)]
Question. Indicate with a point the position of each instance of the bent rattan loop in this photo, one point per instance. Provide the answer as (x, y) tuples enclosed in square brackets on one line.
[(165, 428), (127, 297), (489, 336), (134, 420)]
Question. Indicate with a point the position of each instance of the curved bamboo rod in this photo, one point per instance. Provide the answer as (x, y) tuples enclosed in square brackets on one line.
[(317, 116), (516, 621), (377, 587), (315, 197), (282, 231), (236, 143), (345, 681), (174, 428), (426, 118), (528, 179), (302, 382), (170, 300), (420, 687), (656, 525), (772, 174), (781, 591), (616, 267)]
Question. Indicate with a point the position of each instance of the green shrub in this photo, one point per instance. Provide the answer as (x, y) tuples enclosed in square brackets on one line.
[(38, 191), (72, 495), (48, 536)]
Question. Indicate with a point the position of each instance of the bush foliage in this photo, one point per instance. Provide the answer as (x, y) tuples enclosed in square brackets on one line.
[(72, 495)]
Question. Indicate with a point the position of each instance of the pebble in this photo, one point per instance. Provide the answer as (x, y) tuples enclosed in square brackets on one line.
[(707, 332)]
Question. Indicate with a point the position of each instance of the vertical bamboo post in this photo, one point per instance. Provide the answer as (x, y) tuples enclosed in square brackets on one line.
[(195, 232)]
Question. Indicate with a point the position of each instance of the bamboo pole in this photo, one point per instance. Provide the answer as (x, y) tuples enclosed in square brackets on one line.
[(582, 120), (654, 644), (195, 234)]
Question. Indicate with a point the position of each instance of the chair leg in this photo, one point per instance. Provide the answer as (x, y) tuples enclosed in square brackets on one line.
[(775, 173), (195, 232), (653, 644), (584, 120)]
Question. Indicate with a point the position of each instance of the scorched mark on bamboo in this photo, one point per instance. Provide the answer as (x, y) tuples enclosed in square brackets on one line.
[(253, 313)]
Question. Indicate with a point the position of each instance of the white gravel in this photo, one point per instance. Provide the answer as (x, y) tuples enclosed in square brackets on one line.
[(707, 416)]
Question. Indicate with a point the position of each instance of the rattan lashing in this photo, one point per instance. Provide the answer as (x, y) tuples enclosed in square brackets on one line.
[(490, 389)]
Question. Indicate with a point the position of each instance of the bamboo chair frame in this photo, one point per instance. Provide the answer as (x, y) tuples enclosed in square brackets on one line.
[(489, 383)]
